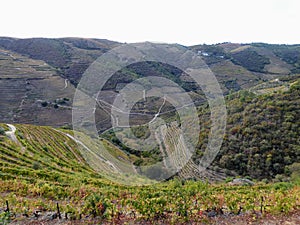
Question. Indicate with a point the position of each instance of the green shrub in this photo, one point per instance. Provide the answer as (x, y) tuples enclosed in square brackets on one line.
[(283, 186), (294, 169), (5, 218), (44, 104), (2, 131), (36, 166)]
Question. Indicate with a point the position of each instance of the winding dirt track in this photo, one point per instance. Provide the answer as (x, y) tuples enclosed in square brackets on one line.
[(11, 133)]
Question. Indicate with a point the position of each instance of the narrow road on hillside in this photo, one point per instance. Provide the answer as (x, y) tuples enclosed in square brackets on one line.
[(66, 83), (107, 162), (159, 111), (11, 134)]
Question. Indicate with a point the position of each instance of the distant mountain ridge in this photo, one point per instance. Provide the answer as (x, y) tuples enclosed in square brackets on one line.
[(38, 76), (70, 56)]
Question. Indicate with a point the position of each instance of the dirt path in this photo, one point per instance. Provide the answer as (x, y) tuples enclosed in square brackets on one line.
[(66, 83), (104, 161), (11, 134)]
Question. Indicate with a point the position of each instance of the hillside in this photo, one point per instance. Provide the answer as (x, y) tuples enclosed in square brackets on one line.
[(32, 91), (45, 179), (38, 76), (41, 153), (70, 56), (51, 174), (261, 139)]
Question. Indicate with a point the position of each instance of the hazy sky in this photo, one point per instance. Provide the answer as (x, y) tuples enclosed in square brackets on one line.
[(186, 22)]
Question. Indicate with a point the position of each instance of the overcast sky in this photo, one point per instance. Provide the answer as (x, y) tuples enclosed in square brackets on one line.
[(186, 22)]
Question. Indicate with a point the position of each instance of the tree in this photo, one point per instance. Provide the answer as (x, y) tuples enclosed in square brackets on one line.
[(2, 131)]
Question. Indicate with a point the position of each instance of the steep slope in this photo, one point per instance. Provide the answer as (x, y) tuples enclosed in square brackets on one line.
[(41, 153), (241, 66), (45, 180), (37, 77), (32, 91), (262, 135), (70, 56), (261, 140), (44, 72)]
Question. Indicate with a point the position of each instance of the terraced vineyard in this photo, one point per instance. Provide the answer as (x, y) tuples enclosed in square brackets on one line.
[(41, 153), (44, 170), (26, 84), (36, 74)]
